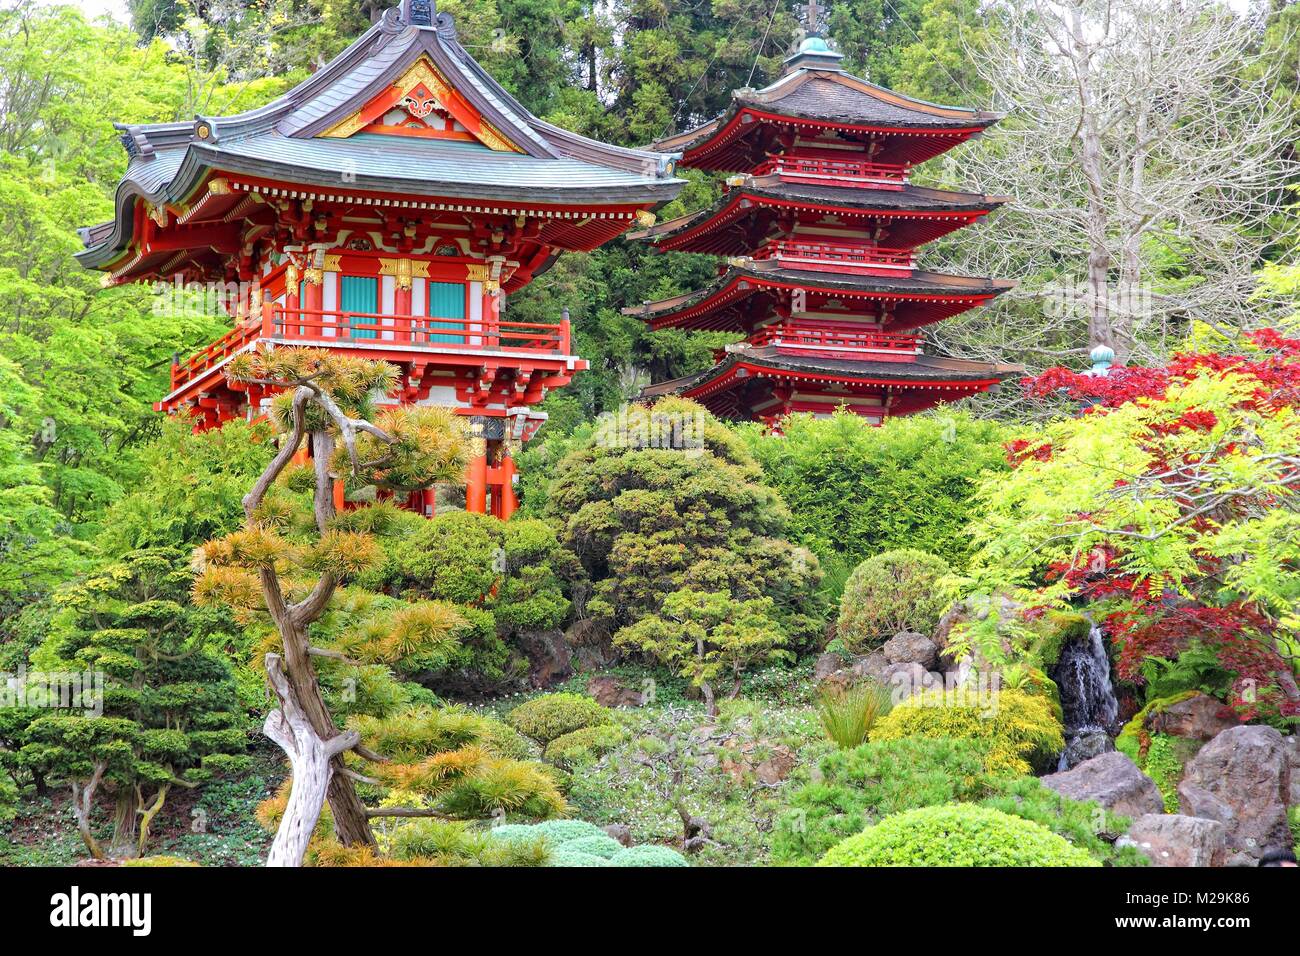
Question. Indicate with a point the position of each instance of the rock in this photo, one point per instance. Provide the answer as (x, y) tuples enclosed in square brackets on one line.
[(1198, 718), (777, 766), (1085, 746), (1242, 778), (871, 666), (955, 615), (909, 647), (612, 692), (620, 832), (827, 666), (1171, 839), (1113, 780), (591, 646), (1293, 747), (904, 680), (549, 659)]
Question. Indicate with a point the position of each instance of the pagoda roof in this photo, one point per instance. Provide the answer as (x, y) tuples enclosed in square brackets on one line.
[(746, 277), (321, 133), (744, 361), (823, 96), (769, 192)]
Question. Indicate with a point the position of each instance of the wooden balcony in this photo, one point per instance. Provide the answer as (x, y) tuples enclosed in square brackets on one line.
[(825, 171), (861, 258), (838, 341), (459, 340)]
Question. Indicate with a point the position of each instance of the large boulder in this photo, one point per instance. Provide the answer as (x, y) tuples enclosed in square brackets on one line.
[(1293, 747), (549, 659), (1084, 746), (1199, 717), (591, 646), (609, 691), (1113, 780), (1242, 778), (1171, 839), (909, 647)]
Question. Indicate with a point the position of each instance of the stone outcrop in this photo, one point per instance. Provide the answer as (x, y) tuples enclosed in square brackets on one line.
[(1171, 839), (1200, 717), (1242, 778), (909, 647), (609, 691), (1111, 779)]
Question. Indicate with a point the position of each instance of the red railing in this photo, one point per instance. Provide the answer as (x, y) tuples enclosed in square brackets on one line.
[(861, 257), (801, 338), (820, 170), (326, 329)]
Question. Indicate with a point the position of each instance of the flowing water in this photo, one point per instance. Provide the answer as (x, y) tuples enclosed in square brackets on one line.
[(1088, 699)]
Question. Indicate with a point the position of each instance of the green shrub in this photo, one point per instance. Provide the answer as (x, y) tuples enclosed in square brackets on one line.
[(956, 835), (1021, 730), (553, 715), (568, 856), (855, 788), (1293, 820), (647, 855), (449, 842), (855, 489), (895, 591), (597, 845), (847, 715), (581, 746)]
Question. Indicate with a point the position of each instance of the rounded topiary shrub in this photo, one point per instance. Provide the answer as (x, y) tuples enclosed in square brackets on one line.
[(583, 745), (648, 854), (597, 845), (1021, 730), (567, 855), (959, 834), (554, 715), (895, 591)]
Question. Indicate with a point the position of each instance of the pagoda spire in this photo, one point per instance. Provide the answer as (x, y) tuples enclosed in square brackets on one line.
[(814, 51)]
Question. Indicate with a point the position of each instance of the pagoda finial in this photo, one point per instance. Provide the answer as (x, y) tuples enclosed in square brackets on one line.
[(418, 13), (810, 16), (814, 51)]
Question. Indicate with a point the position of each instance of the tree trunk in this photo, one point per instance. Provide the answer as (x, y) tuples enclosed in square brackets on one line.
[(123, 842), (312, 758), (83, 800), (148, 813)]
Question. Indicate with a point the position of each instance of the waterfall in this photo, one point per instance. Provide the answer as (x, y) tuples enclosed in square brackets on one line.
[(1088, 701)]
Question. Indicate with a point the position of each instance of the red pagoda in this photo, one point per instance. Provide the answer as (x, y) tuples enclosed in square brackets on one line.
[(821, 228), (384, 207)]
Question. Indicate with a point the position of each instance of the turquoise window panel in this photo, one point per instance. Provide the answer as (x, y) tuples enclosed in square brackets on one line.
[(360, 294), (447, 301)]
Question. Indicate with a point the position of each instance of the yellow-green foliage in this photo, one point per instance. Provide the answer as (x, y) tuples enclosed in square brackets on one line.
[(903, 590), (553, 715), (1021, 730), (149, 861), (959, 834), (583, 745)]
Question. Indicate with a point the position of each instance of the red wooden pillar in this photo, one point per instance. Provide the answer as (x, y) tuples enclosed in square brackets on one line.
[(429, 501), (402, 309), (476, 485), (509, 500), (313, 293)]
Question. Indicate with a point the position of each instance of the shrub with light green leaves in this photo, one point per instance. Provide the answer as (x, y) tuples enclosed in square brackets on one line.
[(648, 854), (1021, 730), (582, 746), (956, 835), (901, 590), (550, 716)]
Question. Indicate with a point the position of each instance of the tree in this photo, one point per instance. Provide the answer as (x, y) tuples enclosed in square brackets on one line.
[(1143, 152), (704, 636), (665, 498), (1170, 507), (324, 399)]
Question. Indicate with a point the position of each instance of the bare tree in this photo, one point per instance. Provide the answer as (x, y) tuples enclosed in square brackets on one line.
[(1145, 151)]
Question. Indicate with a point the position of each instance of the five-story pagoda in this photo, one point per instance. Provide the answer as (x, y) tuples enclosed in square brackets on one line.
[(821, 226), (384, 207)]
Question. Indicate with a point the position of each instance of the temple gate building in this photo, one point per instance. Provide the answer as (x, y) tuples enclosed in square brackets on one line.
[(385, 207)]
